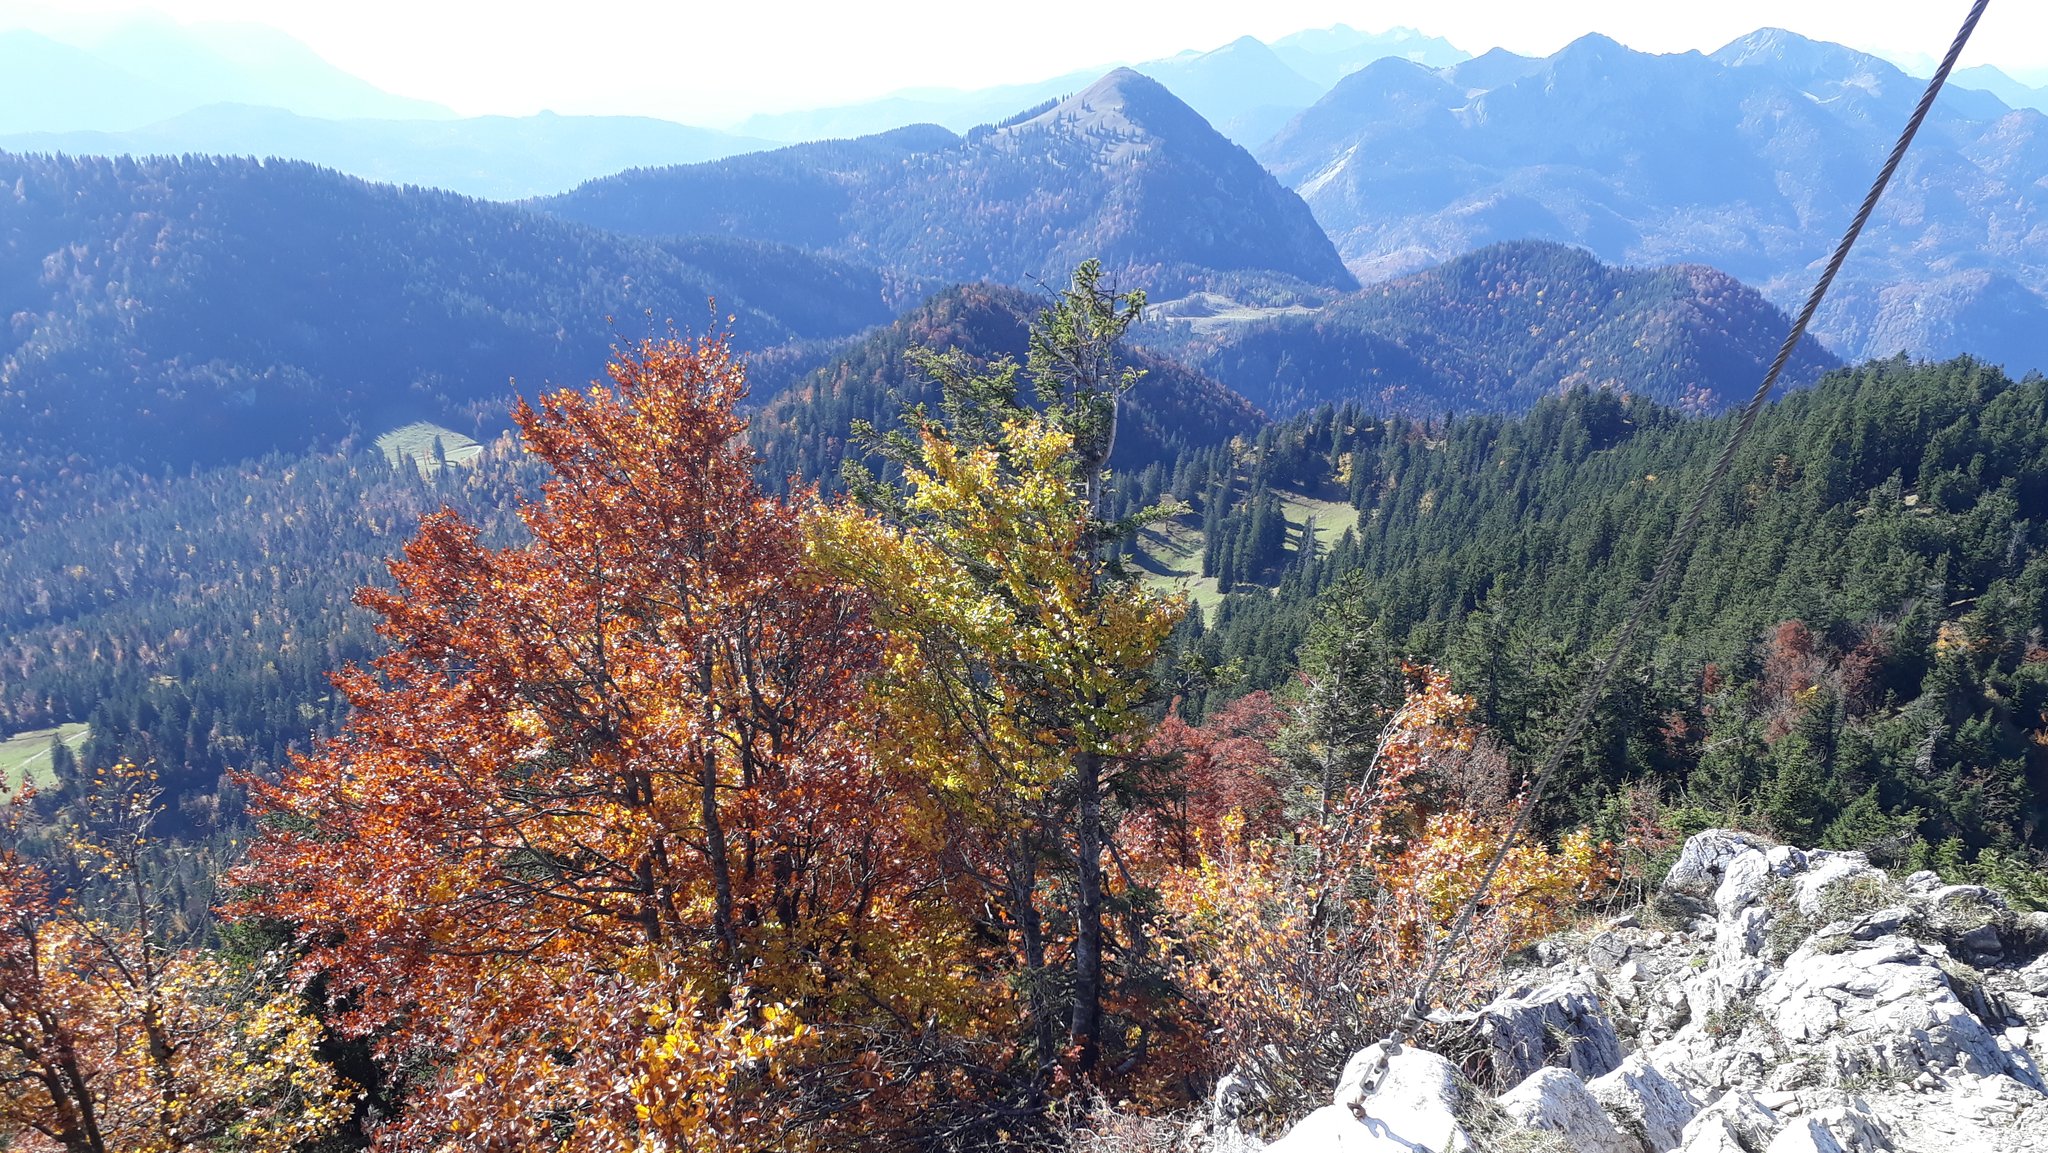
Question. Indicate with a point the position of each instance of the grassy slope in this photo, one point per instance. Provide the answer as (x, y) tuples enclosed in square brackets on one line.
[(416, 440), (27, 755), (1170, 552)]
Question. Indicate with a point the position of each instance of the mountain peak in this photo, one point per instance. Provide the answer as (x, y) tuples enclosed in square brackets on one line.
[(1491, 69), (1125, 100), (1594, 42), (1799, 55), (1774, 44)]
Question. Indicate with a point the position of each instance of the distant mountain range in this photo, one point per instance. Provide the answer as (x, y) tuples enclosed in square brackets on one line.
[(1499, 329), (1122, 171), (191, 99), (1985, 78), (1246, 89), (1751, 160), (497, 157)]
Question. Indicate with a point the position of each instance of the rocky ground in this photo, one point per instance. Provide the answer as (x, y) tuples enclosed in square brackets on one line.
[(1767, 1000)]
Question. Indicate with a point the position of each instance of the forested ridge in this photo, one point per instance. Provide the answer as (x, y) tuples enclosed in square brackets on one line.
[(1123, 171), (806, 430), (172, 311), (1883, 509), (192, 619)]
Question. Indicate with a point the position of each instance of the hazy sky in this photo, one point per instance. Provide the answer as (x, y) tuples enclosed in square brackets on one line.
[(713, 62)]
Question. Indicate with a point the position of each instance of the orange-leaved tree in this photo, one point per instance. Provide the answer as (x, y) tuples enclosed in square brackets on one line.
[(114, 1038), (600, 860)]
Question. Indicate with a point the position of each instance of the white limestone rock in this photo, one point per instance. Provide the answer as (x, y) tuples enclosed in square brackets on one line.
[(1882, 1006), (1645, 1104), (1555, 1099), (1845, 1128), (1391, 1099), (1743, 881), (1735, 1123)]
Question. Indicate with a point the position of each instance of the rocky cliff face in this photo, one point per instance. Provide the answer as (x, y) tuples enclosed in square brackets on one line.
[(1768, 1000)]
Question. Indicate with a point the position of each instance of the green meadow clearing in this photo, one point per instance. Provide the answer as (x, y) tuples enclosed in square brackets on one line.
[(27, 755)]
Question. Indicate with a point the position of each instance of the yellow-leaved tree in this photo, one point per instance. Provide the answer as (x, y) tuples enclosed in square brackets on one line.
[(1017, 672)]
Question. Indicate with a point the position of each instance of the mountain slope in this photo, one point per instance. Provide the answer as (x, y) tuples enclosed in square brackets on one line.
[(1502, 327), (955, 109), (1985, 78), (176, 311), (804, 431), (1123, 171), (499, 157), (1750, 160)]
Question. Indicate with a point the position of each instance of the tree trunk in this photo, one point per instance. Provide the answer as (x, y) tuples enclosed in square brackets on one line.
[(717, 859), (1085, 1033), (1023, 899)]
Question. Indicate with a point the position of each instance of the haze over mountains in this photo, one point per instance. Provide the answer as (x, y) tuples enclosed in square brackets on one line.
[(497, 157), (1246, 88), (1750, 160), (147, 68), (193, 96)]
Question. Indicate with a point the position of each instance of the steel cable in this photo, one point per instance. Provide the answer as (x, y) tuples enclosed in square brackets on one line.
[(1675, 549)]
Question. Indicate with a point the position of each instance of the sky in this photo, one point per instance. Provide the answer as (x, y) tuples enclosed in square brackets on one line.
[(713, 63)]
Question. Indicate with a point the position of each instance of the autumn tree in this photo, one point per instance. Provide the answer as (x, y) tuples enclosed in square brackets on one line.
[(600, 860), (1018, 670), (1293, 942), (113, 1037)]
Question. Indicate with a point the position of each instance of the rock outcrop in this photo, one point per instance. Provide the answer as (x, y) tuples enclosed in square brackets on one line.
[(1769, 1000)]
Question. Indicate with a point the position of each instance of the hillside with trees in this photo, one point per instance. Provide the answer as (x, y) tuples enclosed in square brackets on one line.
[(806, 430), (1497, 329), (897, 855), (1122, 171), (1852, 655), (167, 312), (648, 803)]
